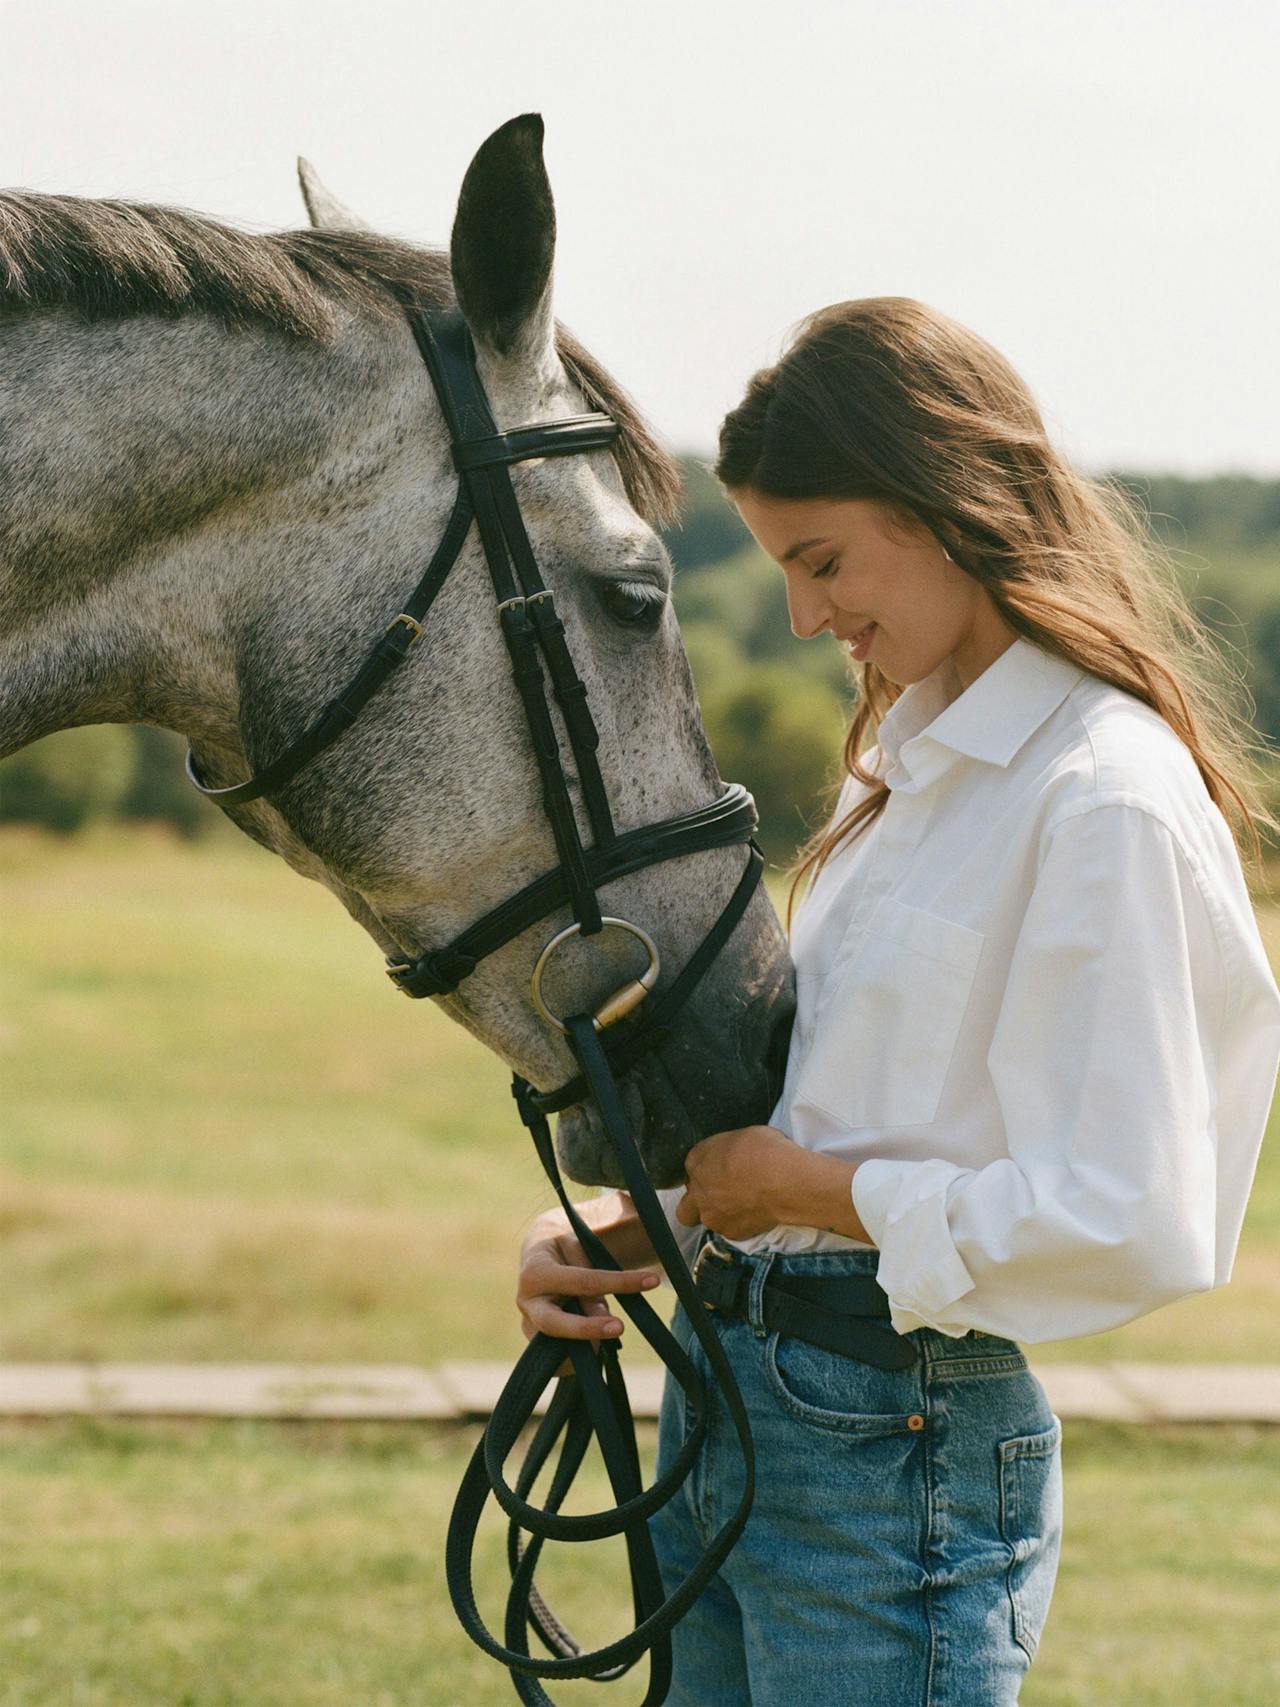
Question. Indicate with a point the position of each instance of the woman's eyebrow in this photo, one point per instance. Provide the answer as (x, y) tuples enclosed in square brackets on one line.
[(801, 545)]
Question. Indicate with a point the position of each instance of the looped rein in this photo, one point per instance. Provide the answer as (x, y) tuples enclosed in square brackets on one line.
[(593, 1400)]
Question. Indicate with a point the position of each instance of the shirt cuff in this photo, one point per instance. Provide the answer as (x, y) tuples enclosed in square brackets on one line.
[(903, 1205)]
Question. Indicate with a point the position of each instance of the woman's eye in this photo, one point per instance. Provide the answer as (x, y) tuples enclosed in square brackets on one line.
[(636, 603), (819, 574)]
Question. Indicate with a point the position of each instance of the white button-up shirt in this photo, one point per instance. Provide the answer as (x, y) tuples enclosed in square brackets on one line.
[(1034, 1006)]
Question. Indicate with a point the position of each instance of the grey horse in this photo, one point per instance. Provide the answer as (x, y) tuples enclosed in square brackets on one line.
[(223, 466)]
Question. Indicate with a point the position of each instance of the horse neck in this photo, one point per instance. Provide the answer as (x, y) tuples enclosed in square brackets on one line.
[(145, 463)]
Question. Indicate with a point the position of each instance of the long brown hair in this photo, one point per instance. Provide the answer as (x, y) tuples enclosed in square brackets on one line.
[(887, 399)]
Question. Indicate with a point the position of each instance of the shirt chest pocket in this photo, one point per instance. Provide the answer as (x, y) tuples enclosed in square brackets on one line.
[(887, 1020)]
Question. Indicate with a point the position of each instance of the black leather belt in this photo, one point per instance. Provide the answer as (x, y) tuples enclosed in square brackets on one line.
[(836, 1311)]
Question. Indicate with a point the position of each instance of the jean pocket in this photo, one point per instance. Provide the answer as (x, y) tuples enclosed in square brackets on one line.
[(1031, 1527), (830, 1391)]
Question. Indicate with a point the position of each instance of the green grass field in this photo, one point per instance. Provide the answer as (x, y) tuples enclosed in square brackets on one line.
[(225, 1137), (261, 1565)]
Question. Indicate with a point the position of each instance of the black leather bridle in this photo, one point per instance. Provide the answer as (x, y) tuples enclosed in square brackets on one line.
[(593, 1399)]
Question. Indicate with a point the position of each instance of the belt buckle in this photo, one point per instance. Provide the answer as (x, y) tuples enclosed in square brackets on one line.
[(704, 1249)]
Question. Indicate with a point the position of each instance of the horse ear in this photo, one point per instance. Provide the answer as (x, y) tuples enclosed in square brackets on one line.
[(323, 207), (503, 243)]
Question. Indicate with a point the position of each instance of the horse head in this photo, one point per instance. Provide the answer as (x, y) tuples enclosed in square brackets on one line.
[(262, 472)]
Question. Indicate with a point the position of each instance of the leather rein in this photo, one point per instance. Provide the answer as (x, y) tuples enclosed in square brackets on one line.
[(593, 1400)]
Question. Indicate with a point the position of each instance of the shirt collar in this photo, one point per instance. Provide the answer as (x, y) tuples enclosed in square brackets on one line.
[(923, 733)]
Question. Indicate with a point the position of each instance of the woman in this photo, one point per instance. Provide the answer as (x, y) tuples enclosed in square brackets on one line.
[(1036, 1036)]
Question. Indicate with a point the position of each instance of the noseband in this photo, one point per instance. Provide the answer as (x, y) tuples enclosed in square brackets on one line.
[(594, 1398)]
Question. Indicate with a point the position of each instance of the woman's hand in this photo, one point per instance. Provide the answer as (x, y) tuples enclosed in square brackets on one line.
[(736, 1180), (554, 1267), (755, 1178)]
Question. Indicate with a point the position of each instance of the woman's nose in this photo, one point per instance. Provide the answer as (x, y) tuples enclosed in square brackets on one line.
[(809, 609)]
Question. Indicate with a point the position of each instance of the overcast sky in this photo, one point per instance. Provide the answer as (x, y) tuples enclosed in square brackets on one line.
[(1090, 184)]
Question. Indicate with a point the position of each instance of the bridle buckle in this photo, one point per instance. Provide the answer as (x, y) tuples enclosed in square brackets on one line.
[(411, 622)]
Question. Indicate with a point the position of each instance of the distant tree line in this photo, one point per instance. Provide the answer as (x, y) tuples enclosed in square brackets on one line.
[(775, 708)]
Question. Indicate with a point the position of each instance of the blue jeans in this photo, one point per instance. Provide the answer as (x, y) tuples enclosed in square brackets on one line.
[(903, 1543)]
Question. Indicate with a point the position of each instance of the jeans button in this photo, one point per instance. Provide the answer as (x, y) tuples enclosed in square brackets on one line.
[(915, 1422)]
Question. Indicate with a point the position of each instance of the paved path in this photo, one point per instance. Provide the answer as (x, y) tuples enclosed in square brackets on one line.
[(1124, 1392)]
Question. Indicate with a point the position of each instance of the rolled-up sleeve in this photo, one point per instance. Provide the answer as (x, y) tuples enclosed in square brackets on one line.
[(1117, 1032)]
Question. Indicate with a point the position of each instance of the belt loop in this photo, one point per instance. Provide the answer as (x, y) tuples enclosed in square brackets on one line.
[(755, 1291)]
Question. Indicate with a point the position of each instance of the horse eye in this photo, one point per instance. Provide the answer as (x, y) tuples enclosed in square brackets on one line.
[(636, 603)]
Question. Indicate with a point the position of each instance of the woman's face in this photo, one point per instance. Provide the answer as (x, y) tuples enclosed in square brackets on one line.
[(850, 561)]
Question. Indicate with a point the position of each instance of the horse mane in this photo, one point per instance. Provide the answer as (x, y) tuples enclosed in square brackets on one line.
[(109, 259)]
